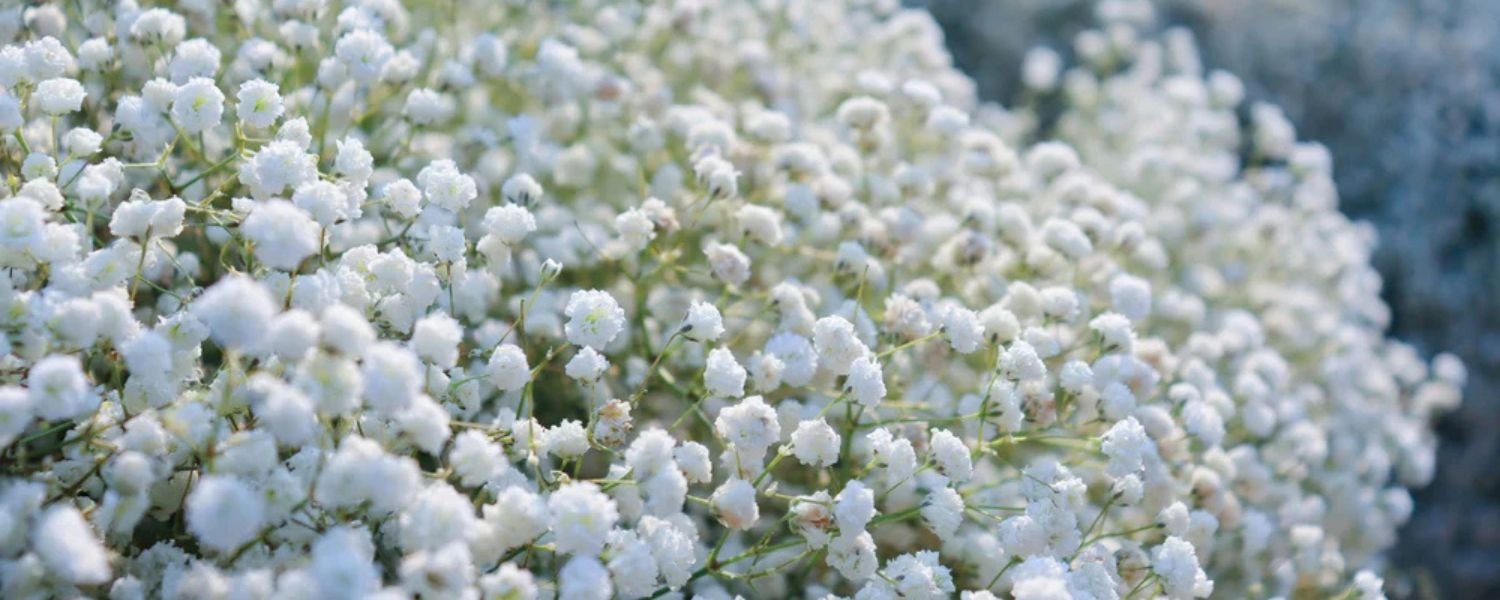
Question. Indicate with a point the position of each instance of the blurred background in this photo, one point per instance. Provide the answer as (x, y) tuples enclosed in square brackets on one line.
[(1406, 95)]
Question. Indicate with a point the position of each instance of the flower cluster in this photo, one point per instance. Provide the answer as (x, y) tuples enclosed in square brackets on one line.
[(700, 298)]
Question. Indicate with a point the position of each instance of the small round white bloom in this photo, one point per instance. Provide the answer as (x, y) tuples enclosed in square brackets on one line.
[(837, 345), (445, 186), (224, 512), (198, 105), (582, 517), (510, 223), (750, 425), (507, 368), (521, 189), (693, 459), (853, 508), (729, 264), (69, 548), (636, 228), (594, 318), (237, 311), (951, 455), (435, 338), (567, 439), (584, 578), (364, 53), (722, 375), (587, 365), (703, 322), (59, 96), (284, 235), (82, 142), (815, 443), (1130, 296), (866, 382), (734, 504), (259, 103), (944, 512)]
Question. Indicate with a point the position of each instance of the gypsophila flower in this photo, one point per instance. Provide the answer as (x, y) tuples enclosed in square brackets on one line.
[(283, 234), (507, 367), (470, 307), (815, 443), (581, 518), (224, 512), (594, 318), (734, 504), (703, 322), (587, 365), (951, 455), (723, 375), (59, 96), (259, 103), (198, 105)]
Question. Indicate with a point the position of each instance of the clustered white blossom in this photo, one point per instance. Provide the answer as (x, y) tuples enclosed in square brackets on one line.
[(520, 300)]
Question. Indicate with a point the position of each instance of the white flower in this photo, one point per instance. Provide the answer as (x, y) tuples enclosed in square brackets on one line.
[(951, 456), (965, 332), (518, 516), (584, 578), (425, 106), (734, 504), (815, 443), (750, 425), (284, 235), (392, 376), (866, 382), (717, 176), (862, 112), (237, 311), (59, 96), (837, 345), (1127, 447), (853, 508), (703, 322), (326, 202), (364, 53), (507, 367), (278, 166), (521, 189), (1020, 362), (259, 103), (68, 547), (853, 555), (435, 338), (82, 142), (566, 440), (510, 223), (224, 512), (761, 223), (1130, 296), (944, 512), (587, 365), (194, 58), (445, 186), (581, 518), (693, 459), (729, 264), (722, 375), (1177, 565), (594, 318), (636, 228), (198, 105)]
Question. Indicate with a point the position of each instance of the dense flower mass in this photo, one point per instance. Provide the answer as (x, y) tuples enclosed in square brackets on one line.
[(629, 299)]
